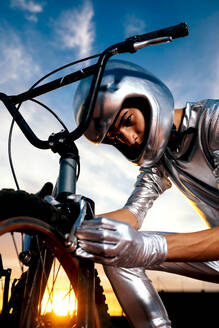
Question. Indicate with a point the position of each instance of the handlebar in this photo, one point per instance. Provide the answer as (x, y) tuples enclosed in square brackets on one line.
[(131, 45), (163, 35), (53, 85), (174, 32)]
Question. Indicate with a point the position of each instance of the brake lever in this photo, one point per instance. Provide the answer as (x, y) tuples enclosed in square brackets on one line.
[(71, 242), (142, 44), (71, 239)]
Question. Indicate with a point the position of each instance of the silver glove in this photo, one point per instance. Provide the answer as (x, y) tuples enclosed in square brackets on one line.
[(116, 243)]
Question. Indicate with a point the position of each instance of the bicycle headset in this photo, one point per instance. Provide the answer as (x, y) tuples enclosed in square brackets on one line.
[(123, 85)]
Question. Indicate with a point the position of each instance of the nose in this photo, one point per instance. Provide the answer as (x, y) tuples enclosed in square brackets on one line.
[(129, 136)]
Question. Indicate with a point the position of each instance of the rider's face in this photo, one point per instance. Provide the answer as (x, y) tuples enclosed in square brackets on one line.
[(129, 127)]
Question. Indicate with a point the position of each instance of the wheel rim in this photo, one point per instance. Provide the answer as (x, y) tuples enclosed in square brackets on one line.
[(57, 296)]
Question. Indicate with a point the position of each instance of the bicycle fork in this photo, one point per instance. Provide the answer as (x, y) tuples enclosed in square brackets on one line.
[(65, 190), (86, 282)]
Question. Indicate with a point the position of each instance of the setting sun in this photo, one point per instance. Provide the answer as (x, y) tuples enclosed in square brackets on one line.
[(60, 303)]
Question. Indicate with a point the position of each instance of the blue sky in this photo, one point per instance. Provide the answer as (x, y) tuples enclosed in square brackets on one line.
[(38, 36)]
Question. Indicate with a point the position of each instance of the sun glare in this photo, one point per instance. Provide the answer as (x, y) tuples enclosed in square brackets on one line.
[(60, 304)]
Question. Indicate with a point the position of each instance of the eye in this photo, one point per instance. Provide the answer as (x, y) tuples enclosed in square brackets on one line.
[(129, 120)]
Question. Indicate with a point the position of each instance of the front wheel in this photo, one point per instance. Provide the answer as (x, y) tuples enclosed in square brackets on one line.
[(41, 292)]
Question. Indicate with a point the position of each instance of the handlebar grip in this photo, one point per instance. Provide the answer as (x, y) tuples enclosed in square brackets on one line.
[(176, 31)]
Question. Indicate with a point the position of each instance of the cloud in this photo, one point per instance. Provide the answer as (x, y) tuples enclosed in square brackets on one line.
[(196, 79), (32, 18), (16, 63), (33, 167), (181, 218), (106, 176), (76, 30), (18, 69), (31, 7), (27, 5), (176, 85), (134, 25)]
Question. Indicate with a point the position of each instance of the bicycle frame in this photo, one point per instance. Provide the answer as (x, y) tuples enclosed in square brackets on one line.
[(63, 142)]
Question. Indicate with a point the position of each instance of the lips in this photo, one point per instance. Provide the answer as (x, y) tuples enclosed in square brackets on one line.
[(138, 142)]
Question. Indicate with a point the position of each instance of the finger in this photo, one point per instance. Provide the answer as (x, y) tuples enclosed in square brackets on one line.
[(82, 253), (96, 258), (99, 223), (103, 249), (107, 250), (97, 235)]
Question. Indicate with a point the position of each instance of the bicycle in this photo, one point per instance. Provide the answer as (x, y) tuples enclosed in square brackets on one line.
[(41, 227)]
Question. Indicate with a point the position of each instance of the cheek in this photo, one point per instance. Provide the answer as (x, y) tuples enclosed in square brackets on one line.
[(139, 122), (141, 125)]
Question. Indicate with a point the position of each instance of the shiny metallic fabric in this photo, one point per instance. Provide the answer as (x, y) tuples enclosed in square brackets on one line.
[(123, 80), (123, 245), (205, 271), (138, 298), (150, 184)]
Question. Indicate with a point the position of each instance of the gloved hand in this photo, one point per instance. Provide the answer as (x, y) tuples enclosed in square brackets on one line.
[(116, 243)]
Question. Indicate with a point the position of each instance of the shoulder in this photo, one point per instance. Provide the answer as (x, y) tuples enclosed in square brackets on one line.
[(209, 124), (204, 116), (209, 133)]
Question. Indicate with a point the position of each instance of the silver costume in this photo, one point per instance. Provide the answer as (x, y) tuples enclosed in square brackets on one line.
[(192, 163), (193, 166)]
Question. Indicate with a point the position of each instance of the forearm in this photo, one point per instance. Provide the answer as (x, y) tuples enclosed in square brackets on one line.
[(122, 215), (112, 242), (196, 246)]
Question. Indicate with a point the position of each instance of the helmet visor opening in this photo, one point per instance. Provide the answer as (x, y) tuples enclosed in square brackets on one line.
[(133, 153)]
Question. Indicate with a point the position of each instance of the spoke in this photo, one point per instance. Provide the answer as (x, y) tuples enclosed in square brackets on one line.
[(25, 286), (44, 273), (33, 287), (2, 292), (16, 249), (52, 290), (53, 279), (68, 293), (22, 241), (40, 295), (30, 299)]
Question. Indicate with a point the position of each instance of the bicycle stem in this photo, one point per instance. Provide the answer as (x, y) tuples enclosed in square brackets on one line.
[(67, 176)]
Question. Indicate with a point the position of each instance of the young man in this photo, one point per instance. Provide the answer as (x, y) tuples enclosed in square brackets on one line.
[(135, 113)]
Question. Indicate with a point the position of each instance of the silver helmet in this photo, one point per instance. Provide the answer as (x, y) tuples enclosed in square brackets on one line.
[(125, 82)]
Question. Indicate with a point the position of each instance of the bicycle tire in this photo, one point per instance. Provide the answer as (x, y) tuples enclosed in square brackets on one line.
[(26, 213)]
